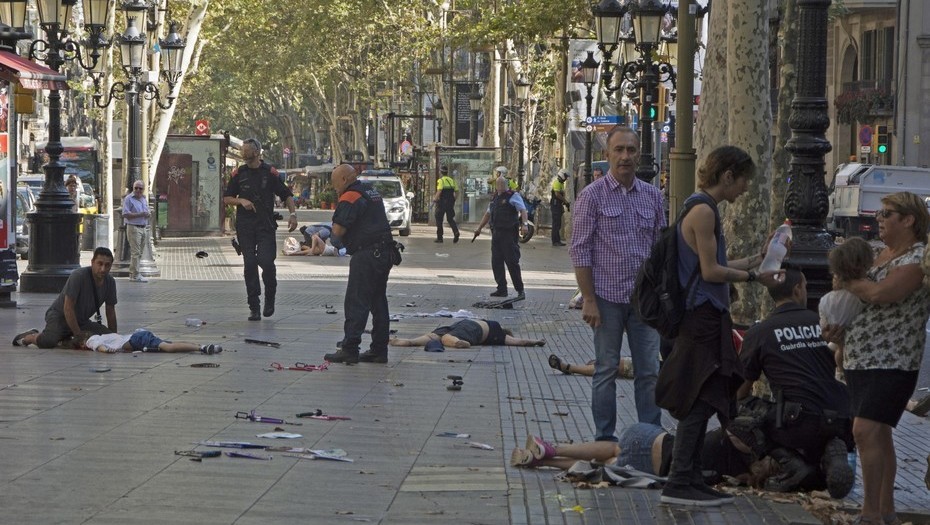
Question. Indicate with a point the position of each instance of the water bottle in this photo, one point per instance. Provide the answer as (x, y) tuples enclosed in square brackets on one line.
[(192, 321), (778, 248)]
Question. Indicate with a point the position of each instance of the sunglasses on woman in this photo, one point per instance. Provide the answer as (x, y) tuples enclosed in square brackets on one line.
[(884, 214)]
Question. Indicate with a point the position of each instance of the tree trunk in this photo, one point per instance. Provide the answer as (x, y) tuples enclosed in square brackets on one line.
[(157, 137), (750, 122), (712, 117), (788, 40)]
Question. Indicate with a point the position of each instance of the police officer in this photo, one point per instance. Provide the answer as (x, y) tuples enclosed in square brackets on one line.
[(252, 188), (444, 200), (557, 205), (362, 226), (507, 215)]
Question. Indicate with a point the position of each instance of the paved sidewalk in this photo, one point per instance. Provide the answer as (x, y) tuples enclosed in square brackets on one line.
[(78, 446)]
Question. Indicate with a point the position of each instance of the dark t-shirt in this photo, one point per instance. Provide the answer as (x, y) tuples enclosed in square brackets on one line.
[(80, 287), (361, 212), (787, 347), (258, 185)]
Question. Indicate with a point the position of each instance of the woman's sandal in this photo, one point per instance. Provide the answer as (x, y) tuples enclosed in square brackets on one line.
[(557, 364)]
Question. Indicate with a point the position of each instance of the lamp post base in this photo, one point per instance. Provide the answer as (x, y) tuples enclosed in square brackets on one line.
[(53, 251), (809, 248), (122, 255)]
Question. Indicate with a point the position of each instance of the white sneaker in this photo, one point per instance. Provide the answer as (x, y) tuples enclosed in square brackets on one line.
[(139, 279)]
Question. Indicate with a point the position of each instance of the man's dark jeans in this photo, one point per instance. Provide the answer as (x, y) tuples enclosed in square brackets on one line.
[(557, 210), (366, 292), (689, 440), (449, 214), (259, 249), (506, 250)]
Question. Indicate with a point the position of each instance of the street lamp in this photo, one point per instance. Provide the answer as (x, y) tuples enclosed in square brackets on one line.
[(437, 114), (133, 44), (806, 199), (474, 102), (521, 89), (53, 243), (640, 75), (589, 76)]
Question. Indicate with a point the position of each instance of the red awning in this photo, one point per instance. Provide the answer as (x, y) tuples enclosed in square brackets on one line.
[(28, 74)]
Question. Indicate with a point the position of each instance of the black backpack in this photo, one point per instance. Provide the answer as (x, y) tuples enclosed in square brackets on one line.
[(658, 297)]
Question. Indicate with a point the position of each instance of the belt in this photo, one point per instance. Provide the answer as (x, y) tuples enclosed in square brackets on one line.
[(137, 225)]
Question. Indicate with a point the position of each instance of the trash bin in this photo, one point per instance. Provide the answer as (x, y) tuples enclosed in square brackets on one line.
[(95, 231)]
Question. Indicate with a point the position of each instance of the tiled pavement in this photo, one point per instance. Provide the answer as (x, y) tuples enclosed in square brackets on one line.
[(78, 446)]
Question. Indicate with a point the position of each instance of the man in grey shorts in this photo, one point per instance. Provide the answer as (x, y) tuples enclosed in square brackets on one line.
[(468, 332), (86, 290)]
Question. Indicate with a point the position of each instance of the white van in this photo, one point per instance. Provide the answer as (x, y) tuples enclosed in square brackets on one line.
[(396, 200)]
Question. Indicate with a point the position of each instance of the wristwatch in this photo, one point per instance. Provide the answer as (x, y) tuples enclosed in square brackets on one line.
[(752, 276)]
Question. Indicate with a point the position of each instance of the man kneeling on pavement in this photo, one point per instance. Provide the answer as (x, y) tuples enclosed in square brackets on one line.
[(808, 430)]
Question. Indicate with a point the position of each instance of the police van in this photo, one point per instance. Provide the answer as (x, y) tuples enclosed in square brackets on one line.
[(396, 201)]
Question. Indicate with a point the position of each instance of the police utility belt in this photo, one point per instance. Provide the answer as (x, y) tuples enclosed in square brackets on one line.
[(789, 412), (390, 247)]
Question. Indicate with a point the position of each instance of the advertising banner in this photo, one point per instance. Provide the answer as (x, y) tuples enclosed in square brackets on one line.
[(7, 194)]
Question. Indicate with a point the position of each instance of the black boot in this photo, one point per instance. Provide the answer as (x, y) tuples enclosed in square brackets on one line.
[(349, 357), (835, 465), (373, 357), (255, 314), (793, 471), (269, 306)]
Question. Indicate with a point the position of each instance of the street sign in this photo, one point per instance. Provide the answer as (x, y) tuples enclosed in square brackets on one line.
[(865, 149), (202, 127), (865, 135), (602, 119)]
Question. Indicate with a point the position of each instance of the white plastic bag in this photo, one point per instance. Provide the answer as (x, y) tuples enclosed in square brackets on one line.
[(839, 307), (291, 246)]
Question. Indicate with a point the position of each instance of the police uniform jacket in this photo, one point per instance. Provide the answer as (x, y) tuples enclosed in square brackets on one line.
[(259, 185), (361, 212), (504, 215)]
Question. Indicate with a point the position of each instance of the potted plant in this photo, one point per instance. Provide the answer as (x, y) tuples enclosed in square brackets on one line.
[(327, 197), (858, 106)]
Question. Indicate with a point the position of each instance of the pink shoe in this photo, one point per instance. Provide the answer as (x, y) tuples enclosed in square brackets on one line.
[(539, 449)]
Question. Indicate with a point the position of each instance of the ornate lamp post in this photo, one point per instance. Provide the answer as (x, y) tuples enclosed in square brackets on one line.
[(53, 243), (521, 89), (806, 202), (589, 75), (133, 46), (640, 76), (437, 112)]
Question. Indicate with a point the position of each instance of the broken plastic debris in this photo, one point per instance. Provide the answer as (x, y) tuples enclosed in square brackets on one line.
[(577, 508), (279, 435), (247, 455), (336, 454), (99, 369), (229, 444), (453, 435), (264, 343), (193, 321), (442, 255), (482, 446)]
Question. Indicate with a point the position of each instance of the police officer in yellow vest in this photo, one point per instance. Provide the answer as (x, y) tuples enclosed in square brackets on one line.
[(501, 171), (444, 201), (557, 204)]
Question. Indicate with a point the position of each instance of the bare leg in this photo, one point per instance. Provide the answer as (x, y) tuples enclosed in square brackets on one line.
[(178, 347), (30, 339), (878, 465), (317, 245), (454, 342), (510, 340), (419, 341), (597, 450)]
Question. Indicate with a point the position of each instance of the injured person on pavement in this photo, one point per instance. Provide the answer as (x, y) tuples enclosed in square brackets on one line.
[(469, 332)]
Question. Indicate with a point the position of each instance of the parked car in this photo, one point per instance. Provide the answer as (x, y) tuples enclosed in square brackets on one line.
[(396, 201), (25, 204)]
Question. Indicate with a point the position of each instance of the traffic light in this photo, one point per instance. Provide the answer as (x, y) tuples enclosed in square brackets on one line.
[(882, 141)]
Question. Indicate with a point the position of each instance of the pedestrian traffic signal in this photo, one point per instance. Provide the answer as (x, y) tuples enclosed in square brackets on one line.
[(652, 112), (882, 139)]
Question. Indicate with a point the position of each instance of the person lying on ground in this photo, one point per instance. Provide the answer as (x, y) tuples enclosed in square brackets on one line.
[(319, 247), (468, 332), (86, 290), (624, 368), (141, 341), (648, 448)]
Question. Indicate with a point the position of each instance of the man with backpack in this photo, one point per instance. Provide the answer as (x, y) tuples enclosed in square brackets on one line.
[(616, 220), (700, 376)]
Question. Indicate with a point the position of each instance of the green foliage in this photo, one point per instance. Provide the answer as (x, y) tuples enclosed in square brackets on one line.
[(858, 106)]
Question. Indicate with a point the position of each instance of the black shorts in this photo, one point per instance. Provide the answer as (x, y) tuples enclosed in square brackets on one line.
[(466, 330), (880, 394)]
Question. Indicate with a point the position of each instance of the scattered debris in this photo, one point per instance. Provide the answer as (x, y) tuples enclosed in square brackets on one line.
[(482, 446), (336, 454), (562, 414), (251, 416), (99, 369), (198, 455), (201, 254), (279, 435), (318, 414), (303, 367), (205, 365), (456, 383), (193, 321), (452, 435), (230, 444), (248, 455), (442, 255), (264, 343)]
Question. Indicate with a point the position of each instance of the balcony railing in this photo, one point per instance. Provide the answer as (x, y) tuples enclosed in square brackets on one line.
[(863, 101)]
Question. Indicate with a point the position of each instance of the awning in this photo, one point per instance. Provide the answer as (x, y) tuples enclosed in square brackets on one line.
[(14, 68)]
